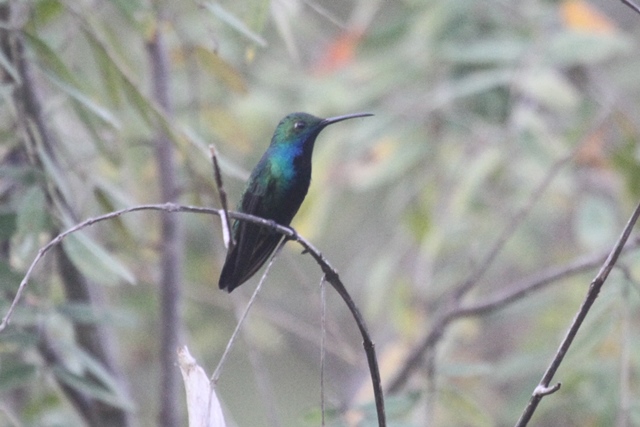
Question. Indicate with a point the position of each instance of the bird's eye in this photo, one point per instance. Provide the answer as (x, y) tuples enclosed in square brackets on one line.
[(299, 125)]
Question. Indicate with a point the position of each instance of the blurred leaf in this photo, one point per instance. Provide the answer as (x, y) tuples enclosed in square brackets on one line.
[(8, 225), (50, 60), (90, 388), (31, 211), (57, 177), (396, 406), (147, 108), (283, 13), (111, 79), (625, 160), (46, 10), (472, 84), (580, 15), (97, 370), (462, 370), (463, 410), (596, 225), (218, 67), (129, 8), (577, 48), (13, 375), (385, 161), (235, 23), (487, 51), (340, 53), (9, 279), (95, 262), (25, 175), (331, 414), (81, 313), (383, 270), (550, 88), (101, 112)]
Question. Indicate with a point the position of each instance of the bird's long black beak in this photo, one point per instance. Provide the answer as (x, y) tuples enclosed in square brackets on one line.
[(332, 120)]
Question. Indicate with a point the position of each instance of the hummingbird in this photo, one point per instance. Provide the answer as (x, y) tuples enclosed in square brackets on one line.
[(275, 190)]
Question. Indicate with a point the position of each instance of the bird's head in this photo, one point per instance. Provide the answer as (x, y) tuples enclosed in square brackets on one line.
[(298, 128)]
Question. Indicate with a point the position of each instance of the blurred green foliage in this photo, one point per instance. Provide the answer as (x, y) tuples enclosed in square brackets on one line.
[(475, 103)]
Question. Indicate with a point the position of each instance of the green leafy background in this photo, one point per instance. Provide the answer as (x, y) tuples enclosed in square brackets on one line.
[(475, 103)]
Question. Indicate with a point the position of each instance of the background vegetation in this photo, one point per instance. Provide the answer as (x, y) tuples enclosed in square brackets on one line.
[(504, 148)]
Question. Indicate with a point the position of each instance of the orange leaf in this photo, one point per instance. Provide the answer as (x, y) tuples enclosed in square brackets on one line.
[(580, 15), (339, 53)]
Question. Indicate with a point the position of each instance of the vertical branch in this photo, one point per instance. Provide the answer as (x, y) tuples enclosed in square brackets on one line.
[(171, 237)]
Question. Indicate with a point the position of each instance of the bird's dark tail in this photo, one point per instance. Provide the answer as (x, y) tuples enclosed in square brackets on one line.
[(247, 256)]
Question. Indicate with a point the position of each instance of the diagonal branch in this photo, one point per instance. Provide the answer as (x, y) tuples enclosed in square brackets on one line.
[(543, 387), (518, 291)]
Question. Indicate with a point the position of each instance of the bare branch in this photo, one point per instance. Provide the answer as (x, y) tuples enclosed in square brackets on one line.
[(518, 291), (331, 274), (592, 294)]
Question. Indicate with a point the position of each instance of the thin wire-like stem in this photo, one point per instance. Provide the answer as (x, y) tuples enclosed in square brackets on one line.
[(323, 337), (234, 336), (543, 388)]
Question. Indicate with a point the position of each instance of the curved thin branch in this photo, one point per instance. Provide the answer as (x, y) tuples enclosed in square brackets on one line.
[(331, 276)]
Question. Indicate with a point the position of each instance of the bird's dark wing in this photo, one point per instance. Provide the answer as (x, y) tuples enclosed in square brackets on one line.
[(254, 244)]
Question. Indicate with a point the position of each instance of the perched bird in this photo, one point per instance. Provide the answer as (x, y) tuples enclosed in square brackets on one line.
[(275, 190)]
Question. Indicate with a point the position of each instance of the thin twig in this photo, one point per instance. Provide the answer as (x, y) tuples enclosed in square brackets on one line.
[(543, 387), (234, 336), (227, 232)]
